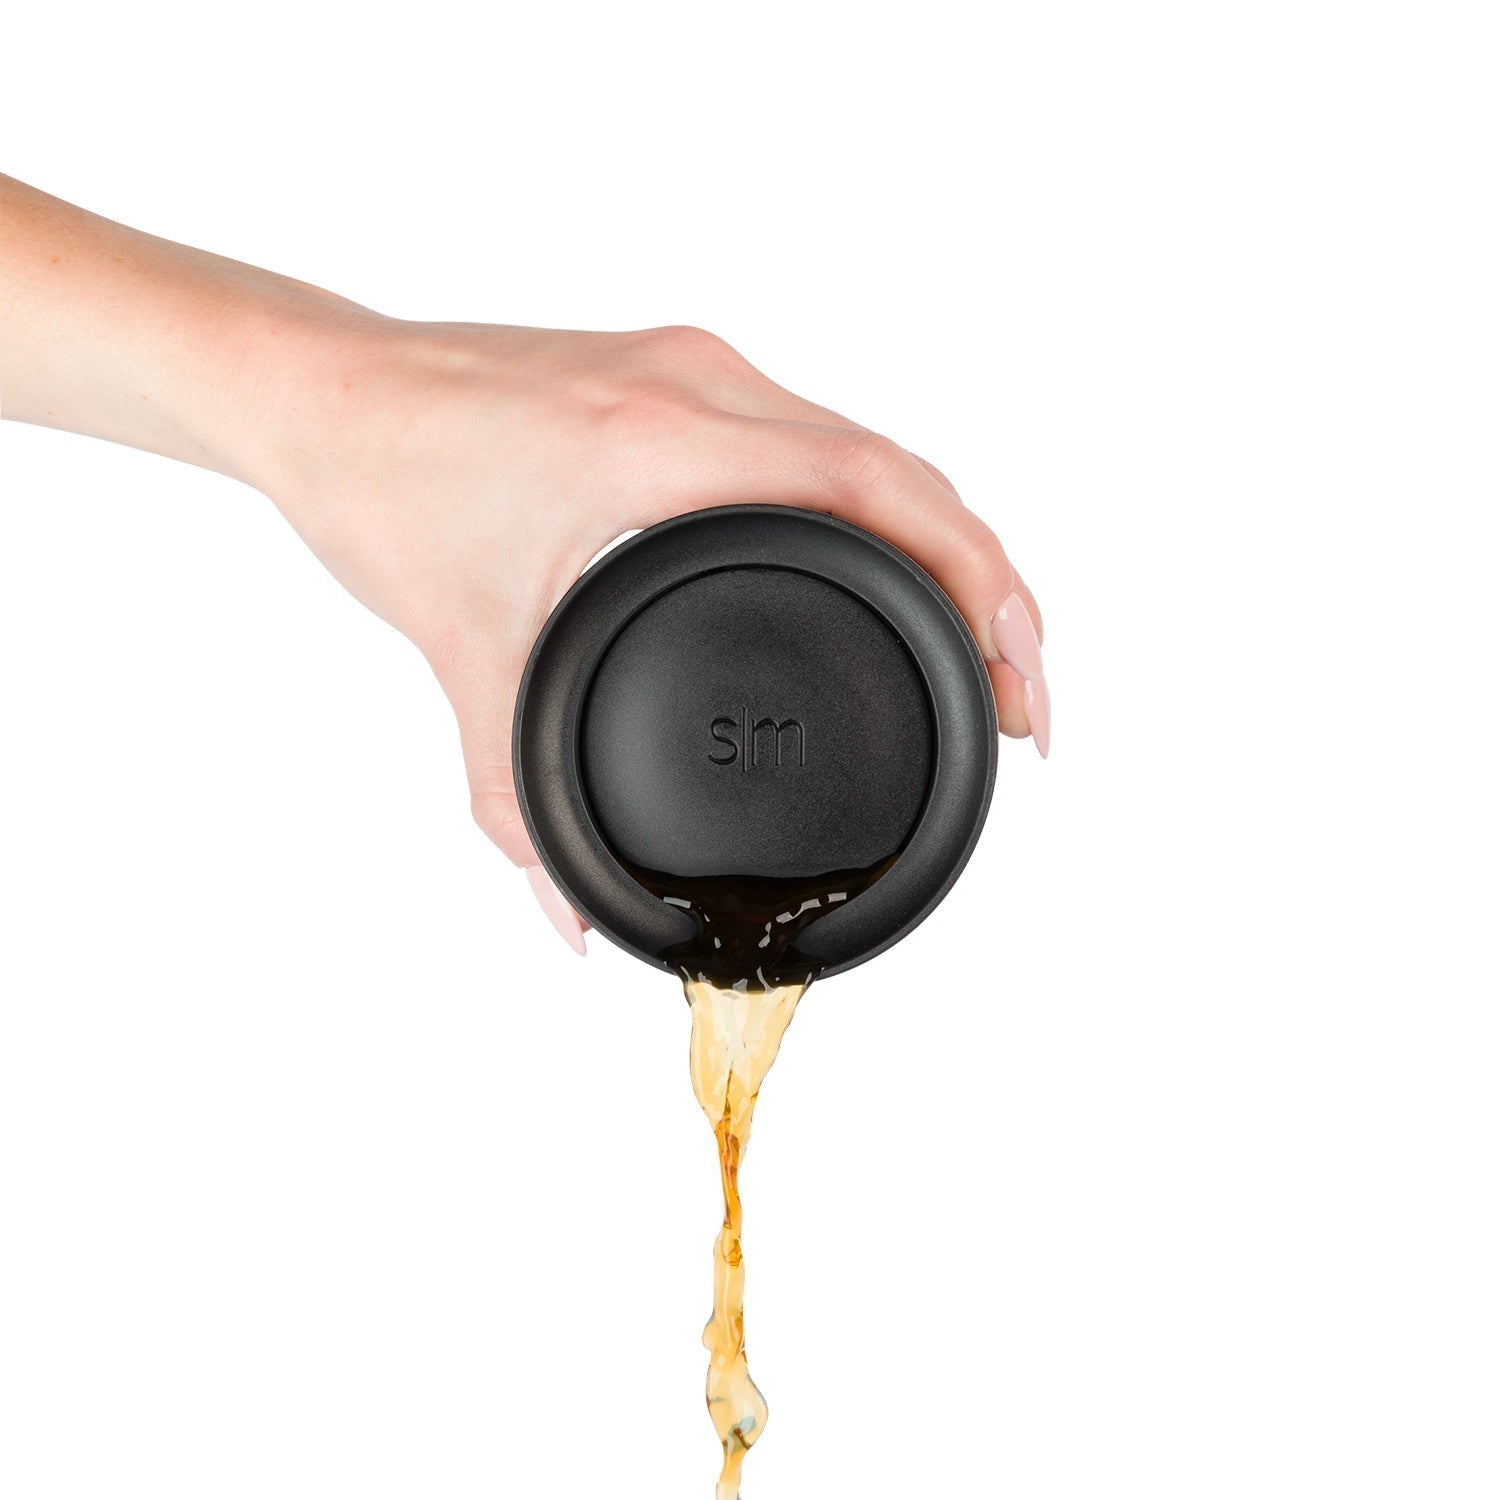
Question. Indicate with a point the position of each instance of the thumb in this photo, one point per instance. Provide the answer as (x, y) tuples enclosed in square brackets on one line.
[(483, 696)]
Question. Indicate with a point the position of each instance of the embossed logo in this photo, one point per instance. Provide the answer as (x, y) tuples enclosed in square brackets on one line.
[(751, 743)]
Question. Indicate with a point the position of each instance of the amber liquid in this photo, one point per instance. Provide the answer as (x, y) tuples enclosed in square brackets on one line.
[(744, 977), (736, 1034)]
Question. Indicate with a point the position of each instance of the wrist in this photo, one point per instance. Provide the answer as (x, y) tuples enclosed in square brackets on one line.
[(324, 393), (285, 364)]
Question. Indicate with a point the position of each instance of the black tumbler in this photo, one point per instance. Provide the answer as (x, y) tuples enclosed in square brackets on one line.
[(759, 695)]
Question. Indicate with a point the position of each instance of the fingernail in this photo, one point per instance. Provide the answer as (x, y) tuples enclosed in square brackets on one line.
[(1039, 714), (559, 913), (1015, 638)]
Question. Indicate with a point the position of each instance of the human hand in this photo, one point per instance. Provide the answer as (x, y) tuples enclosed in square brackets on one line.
[(457, 478)]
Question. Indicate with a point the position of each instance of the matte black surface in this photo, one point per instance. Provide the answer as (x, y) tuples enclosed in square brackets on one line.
[(756, 721), (636, 738)]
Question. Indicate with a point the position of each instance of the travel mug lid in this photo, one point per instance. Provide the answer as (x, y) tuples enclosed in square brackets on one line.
[(754, 692)]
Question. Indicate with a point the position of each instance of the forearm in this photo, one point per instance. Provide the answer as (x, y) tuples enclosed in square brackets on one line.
[(120, 335)]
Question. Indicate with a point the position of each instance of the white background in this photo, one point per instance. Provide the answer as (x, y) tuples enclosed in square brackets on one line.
[(325, 1171)]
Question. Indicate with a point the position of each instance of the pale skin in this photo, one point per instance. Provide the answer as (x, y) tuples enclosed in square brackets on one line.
[(457, 477)]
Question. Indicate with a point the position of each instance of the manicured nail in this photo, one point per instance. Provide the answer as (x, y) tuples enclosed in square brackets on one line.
[(1039, 714), (1015, 638), (559, 913)]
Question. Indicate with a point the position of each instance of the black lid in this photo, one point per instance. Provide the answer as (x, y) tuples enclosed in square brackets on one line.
[(755, 692)]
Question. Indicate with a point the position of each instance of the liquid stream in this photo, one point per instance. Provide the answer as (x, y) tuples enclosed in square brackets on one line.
[(736, 1035), (743, 975)]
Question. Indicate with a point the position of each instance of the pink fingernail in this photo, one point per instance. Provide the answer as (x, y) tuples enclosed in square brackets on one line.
[(1015, 638), (559, 913), (1039, 714)]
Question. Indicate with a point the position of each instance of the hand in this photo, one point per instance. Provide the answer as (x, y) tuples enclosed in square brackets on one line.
[(457, 478)]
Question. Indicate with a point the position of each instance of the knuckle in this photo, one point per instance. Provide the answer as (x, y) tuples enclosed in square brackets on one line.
[(686, 338), (994, 577), (686, 346), (862, 460), (936, 473)]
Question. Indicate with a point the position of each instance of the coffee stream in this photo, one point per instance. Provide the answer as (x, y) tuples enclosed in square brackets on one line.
[(743, 978), (735, 1037)]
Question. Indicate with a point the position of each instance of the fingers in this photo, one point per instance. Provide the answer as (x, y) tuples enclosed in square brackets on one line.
[(938, 475), (1022, 697), (1023, 707), (736, 386), (568, 924), (863, 477), (872, 481), (856, 473), (761, 397)]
